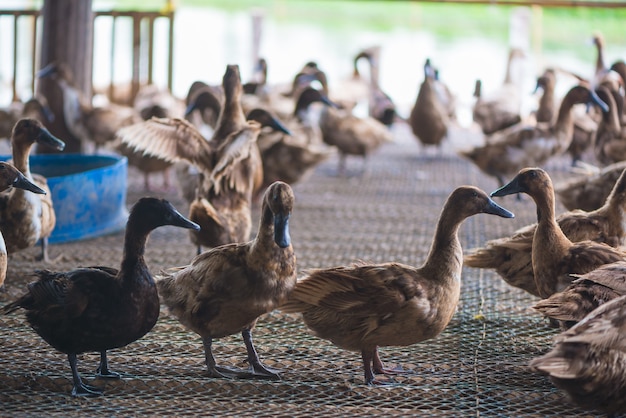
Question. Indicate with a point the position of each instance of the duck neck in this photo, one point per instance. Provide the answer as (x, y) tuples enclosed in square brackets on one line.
[(564, 120), (232, 117), (21, 152), (547, 227), (446, 255), (134, 248)]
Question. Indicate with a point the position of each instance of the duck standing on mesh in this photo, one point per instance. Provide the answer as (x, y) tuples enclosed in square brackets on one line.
[(100, 308), (365, 306)]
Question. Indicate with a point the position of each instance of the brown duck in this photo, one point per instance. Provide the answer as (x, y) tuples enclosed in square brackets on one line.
[(226, 289), (366, 306)]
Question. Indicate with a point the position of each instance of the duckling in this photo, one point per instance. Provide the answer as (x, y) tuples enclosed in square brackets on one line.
[(12, 177), (366, 306), (511, 257), (225, 290), (227, 165), (584, 294), (100, 308), (525, 145), (352, 135), (588, 361), (589, 192), (429, 117), (84, 121), (502, 108), (554, 256), (26, 218)]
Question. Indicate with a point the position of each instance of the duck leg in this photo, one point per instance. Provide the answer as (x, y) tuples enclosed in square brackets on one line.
[(80, 388), (217, 371), (379, 368), (370, 356), (103, 368), (256, 367)]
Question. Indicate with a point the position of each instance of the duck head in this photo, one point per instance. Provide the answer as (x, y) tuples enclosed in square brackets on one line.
[(12, 177), (310, 95), (279, 198), (153, 213), (546, 81), (31, 131), (583, 94), (528, 180), (204, 99), (56, 70), (266, 119), (470, 200)]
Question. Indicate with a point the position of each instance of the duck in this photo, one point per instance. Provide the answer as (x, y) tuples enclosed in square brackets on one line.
[(12, 177), (511, 257), (352, 135), (34, 108), (502, 108), (26, 218), (588, 361), (590, 190), (97, 125), (152, 101), (611, 134), (365, 306), (206, 101), (429, 118), (228, 164), (554, 256), (584, 294), (225, 290), (546, 110), (96, 309), (291, 157), (526, 145)]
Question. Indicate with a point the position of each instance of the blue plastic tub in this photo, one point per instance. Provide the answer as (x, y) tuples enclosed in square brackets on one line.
[(88, 193)]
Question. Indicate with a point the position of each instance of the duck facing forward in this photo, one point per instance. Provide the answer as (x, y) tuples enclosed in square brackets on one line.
[(365, 306), (554, 256), (225, 290), (588, 361), (100, 308), (26, 218)]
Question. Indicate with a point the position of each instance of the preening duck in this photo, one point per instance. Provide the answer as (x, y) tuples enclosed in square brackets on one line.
[(366, 306), (554, 256), (100, 308), (226, 289), (26, 218), (588, 361)]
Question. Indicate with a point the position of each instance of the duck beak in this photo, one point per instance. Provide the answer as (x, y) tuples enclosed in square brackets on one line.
[(598, 101), (330, 103), (493, 208), (21, 182), (281, 230), (190, 108), (47, 71), (511, 187), (277, 125), (46, 138), (180, 221)]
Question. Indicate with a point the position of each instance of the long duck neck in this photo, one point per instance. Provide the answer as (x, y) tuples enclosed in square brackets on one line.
[(564, 121), (21, 153), (446, 255), (232, 117), (553, 237), (134, 249)]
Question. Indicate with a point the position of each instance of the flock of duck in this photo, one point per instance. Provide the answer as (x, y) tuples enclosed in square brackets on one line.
[(234, 144)]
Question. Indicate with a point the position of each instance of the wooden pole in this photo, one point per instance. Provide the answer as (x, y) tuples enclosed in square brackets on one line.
[(66, 37)]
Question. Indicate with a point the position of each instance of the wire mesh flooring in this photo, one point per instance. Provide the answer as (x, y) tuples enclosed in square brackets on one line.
[(476, 367)]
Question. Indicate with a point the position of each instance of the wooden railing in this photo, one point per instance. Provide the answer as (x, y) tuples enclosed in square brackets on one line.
[(142, 59)]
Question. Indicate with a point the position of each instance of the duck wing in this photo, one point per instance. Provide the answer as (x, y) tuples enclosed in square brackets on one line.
[(171, 139)]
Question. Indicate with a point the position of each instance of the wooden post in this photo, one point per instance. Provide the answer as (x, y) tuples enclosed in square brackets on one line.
[(66, 37)]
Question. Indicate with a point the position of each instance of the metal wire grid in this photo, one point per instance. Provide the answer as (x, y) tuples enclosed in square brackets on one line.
[(477, 366)]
